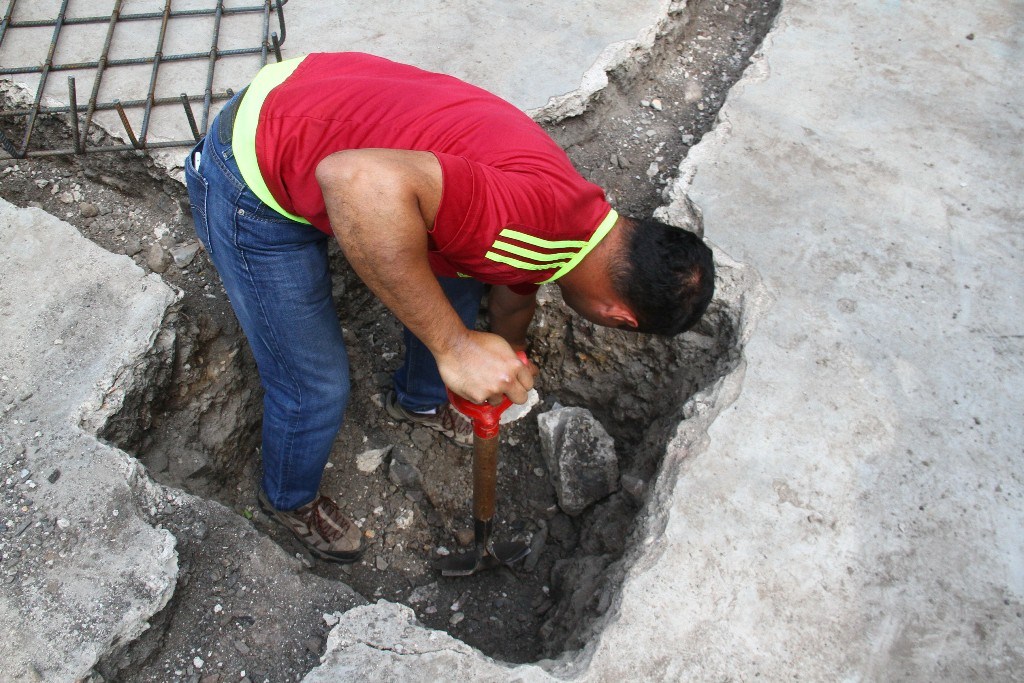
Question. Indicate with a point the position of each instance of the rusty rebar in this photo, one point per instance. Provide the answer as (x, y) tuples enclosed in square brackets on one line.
[(190, 116), (141, 16), (6, 21), (101, 66), (277, 46), (73, 110), (157, 55), (107, 106), (58, 24), (127, 125), (9, 147), (208, 90), (81, 134)]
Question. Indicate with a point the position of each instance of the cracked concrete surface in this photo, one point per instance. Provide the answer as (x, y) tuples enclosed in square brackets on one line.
[(853, 512), (90, 569)]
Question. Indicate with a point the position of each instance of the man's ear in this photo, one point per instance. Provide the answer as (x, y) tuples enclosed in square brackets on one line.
[(622, 316)]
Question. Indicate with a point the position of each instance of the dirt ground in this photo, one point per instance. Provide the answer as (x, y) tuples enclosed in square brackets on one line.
[(235, 616)]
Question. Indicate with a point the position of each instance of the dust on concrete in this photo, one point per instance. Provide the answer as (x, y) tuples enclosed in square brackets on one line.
[(241, 607)]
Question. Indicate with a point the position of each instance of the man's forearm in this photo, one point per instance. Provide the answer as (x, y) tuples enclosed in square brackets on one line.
[(381, 204), (511, 315)]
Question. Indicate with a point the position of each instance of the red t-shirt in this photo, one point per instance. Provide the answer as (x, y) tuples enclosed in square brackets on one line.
[(513, 208)]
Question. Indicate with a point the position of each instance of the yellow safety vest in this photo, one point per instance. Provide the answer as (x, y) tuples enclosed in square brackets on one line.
[(243, 134)]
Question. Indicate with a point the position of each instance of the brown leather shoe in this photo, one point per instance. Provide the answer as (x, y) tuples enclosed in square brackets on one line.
[(446, 420), (321, 526)]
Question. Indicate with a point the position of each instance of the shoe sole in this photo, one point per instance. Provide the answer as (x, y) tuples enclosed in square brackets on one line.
[(346, 558)]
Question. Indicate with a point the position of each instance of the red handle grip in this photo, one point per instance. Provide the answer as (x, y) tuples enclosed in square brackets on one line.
[(484, 416)]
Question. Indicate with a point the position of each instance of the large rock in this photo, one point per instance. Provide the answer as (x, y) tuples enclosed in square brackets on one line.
[(82, 567), (580, 456), (385, 642)]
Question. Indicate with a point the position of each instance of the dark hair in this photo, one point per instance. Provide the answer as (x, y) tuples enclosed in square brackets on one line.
[(666, 275)]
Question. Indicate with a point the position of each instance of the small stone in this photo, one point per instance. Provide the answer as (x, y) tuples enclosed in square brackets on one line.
[(657, 105), (54, 476), (331, 619), (693, 92), (198, 662), (645, 103), (41, 183), (456, 618), (442, 551), (464, 537), (405, 519), (422, 438), (63, 524), (241, 647), (368, 461), (158, 259), (653, 169), (88, 210), (633, 487), (687, 139), (66, 198), (132, 246), (184, 254), (623, 162), (381, 563), (404, 475), (218, 608), (518, 411)]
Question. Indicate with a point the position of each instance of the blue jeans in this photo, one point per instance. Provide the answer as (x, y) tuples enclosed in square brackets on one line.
[(277, 277)]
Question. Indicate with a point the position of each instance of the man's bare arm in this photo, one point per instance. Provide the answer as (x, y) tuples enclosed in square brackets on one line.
[(381, 204), (511, 314)]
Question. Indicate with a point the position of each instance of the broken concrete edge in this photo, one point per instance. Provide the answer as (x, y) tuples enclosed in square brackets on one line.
[(92, 576), (613, 57)]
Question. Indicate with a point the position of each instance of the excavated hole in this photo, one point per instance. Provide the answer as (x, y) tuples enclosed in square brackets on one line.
[(196, 426)]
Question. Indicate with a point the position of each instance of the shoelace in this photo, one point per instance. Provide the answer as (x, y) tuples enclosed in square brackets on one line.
[(450, 420), (315, 520)]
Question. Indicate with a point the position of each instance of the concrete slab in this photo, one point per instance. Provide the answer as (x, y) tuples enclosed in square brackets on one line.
[(83, 569), (857, 513), (526, 52)]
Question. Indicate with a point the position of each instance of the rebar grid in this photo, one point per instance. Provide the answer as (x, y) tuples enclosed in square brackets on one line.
[(269, 41)]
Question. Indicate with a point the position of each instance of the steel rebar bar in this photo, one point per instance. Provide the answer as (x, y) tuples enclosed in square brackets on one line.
[(208, 90), (104, 63), (190, 116), (73, 110), (6, 21), (101, 66), (127, 125), (42, 77)]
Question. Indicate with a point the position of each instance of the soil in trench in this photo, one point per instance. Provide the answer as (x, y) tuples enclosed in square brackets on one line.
[(198, 428)]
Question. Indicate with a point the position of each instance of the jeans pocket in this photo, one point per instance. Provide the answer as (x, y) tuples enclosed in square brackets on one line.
[(198, 189)]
